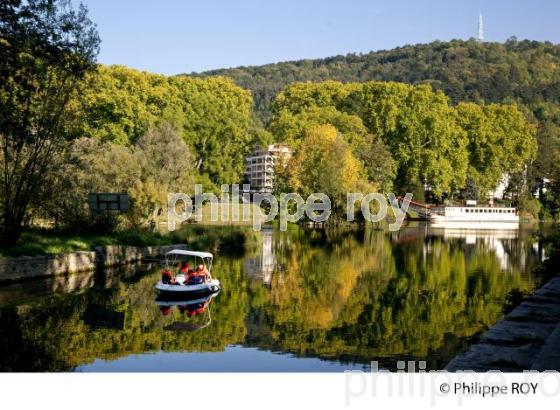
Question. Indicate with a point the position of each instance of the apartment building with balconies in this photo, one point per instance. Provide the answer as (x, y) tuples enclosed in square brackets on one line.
[(261, 166)]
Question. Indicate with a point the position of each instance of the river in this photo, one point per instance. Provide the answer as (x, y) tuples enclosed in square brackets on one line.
[(302, 300)]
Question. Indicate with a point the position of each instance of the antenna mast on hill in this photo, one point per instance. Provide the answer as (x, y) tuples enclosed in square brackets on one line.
[(480, 36)]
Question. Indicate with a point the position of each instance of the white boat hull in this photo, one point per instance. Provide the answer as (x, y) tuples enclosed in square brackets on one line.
[(450, 222), (474, 218), (207, 287)]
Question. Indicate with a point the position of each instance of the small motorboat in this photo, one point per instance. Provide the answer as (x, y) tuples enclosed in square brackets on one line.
[(187, 283)]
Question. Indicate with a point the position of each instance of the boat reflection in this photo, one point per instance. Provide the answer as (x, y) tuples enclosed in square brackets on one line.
[(511, 248), (197, 312), (504, 243)]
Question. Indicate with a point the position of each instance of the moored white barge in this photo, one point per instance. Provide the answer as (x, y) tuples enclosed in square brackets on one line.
[(474, 217)]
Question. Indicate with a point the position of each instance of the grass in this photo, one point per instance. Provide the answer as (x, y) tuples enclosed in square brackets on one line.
[(214, 238), (226, 239), (246, 213), (45, 242)]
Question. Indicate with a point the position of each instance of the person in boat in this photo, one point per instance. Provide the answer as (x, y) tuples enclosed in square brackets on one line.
[(203, 272), (197, 309), (166, 277), (184, 268), (197, 277), (194, 278)]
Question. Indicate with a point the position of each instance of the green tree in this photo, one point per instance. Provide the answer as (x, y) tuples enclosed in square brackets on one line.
[(160, 162), (212, 115), (291, 128), (216, 125), (544, 171), (378, 161), (414, 123), (46, 48), (419, 127), (90, 165), (324, 163), (501, 141), (167, 166), (119, 104), (299, 97)]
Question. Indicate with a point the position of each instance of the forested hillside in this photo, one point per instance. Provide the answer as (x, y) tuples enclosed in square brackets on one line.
[(526, 71)]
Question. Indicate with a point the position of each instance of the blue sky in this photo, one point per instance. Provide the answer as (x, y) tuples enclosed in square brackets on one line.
[(176, 36)]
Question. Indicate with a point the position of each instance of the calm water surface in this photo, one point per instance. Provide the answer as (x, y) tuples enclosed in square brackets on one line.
[(303, 301)]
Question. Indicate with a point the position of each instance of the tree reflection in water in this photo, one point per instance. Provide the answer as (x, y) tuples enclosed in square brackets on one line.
[(353, 296)]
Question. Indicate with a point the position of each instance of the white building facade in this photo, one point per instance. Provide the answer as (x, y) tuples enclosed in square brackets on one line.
[(261, 165)]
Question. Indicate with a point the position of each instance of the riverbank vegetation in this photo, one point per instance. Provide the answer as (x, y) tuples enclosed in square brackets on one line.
[(70, 126), (226, 239), (49, 242)]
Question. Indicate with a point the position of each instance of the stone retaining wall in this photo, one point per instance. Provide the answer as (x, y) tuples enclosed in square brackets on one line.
[(28, 267), (120, 255), (525, 339)]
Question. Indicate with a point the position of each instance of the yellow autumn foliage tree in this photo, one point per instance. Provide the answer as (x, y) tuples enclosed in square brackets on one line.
[(324, 163)]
